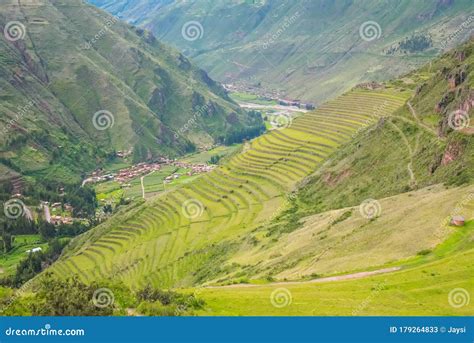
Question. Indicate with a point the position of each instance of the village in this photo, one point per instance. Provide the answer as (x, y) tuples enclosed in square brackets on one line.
[(268, 95), (123, 176), (58, 213)]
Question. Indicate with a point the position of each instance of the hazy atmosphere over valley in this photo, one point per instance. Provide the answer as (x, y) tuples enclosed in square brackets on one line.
[(237, 158)]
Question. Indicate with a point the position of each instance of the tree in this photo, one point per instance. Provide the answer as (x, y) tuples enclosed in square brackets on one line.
[(7, 240), (46, 230), (68, 297)]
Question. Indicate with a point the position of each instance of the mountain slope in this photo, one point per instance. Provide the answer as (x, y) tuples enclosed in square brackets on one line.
[(354, 211), (181, 237), (240, 218), (77, 84), (311, 50)]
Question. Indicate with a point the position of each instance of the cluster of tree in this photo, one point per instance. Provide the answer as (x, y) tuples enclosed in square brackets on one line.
[(47, 231), (140, 153), (415, 43), (82, 199), (71, 297), (6, 189), (156, 302), (239, 135), (35, 263), (214, 159), (254, 129), (68, 297), (10, 228)]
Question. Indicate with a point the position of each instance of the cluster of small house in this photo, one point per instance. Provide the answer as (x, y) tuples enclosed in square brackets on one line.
[(123, 175), (127, 174), (56, 220), (56, 205), (193, 169), (59, 219), (458, 221), (265, 94), (268, 95)]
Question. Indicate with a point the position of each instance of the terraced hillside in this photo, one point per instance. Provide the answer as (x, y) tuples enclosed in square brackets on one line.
[(77, 85), (181, 237), (370, 233)]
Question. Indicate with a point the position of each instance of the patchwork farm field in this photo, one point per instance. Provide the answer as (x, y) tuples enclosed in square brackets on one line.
[(201, 223)]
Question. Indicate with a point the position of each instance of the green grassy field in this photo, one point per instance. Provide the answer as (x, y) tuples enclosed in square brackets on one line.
[(21, 244), (342, 241), (422, 287), (205, 156), (252, 98)]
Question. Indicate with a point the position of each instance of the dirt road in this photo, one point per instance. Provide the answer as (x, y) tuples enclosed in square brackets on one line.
[(353, 276)]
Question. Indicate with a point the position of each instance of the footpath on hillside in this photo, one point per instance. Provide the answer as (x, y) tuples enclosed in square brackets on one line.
[(352, 276)]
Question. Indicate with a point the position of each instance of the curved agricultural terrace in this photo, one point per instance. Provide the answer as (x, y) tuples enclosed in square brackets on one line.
[(167, 239)]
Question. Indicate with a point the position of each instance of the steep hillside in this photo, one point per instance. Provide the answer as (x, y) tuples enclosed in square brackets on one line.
[(428, 141), (329, 224), (355, 198), (77, 85), (183, 237), (438, 283), (240, 214), (311, 50)]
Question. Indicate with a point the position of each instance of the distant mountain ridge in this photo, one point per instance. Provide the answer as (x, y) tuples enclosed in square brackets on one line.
[(310, 50), (77, 84)]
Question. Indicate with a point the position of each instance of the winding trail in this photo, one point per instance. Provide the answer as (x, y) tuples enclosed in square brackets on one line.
[(353, 276), (411, 152), (419, 122)]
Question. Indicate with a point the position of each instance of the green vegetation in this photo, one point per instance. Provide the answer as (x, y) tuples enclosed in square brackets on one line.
[(19, 237), (241, 97), (71, 297), (36, 262), (416, 43), (420, 288), (347, 207), (224, 151), (157, 243), (21, 243), (48, 129), (342, 241), (276, 47)]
